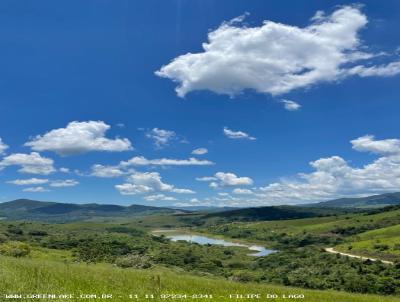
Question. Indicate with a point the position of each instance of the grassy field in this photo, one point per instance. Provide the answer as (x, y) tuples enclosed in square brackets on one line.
[(28, 276)]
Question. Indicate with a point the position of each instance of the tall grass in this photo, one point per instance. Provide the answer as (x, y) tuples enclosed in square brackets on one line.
[(29, 276)]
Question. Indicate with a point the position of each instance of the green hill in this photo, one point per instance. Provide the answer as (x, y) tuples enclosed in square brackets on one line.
[(271, 213), (383, 243), (62, 212), (374, 201), (21, 205)]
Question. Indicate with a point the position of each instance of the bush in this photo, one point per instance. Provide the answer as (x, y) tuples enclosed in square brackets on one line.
[(242, 276), (395, 247), (15, 249), (133, 261), (15, 230), (3, 238), (381, 247), (37, 233)]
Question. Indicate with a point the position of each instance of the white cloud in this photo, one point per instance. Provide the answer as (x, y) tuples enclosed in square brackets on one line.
[(123, 167), (290, 105), (213, 185), (276, 58), (36, 190), (64, 183), (39, 181), (107, 171), (200, 151), (32, 163), (333, 177), (237, 134), (222, 179), (148, 182), (159, 197), (64, 170), (142, 161), (161, 137), (369, 144), (77, 138), (206, 178), (3, 147), (30, 181), (193, 202), (388, 70), (182, 191), (230, 179), (239, 191), (223, 194), (133, 189)]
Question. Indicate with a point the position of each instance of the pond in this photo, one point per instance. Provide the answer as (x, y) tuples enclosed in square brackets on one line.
[(203, 240)]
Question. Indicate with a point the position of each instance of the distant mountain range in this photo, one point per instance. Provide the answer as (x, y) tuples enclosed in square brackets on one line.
[(53, 211), (375, 201), (25, 209), (206, 209), (332, 207)]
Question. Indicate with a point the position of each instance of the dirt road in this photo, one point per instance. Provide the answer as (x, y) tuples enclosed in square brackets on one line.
[(332, 251)]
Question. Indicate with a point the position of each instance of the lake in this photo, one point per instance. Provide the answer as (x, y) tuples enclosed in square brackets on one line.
[(203, 240)]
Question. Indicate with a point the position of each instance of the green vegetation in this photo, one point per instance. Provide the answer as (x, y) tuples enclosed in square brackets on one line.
[(383, 243), (124, 247), (320, 231), (328, 271), (14, 249), (44, 276), (301, 241)]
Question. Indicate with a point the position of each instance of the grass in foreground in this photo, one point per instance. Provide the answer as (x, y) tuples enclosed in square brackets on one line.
[(23, 276)]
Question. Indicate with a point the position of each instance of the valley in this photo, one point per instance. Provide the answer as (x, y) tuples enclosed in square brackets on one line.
[(209, 252)]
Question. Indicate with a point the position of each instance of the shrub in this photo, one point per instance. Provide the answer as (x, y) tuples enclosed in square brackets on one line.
[(37, 233), (242, 276), (3, 238), (15, 230), (381, 247), (15, 249), (126, 230), (134, 261)]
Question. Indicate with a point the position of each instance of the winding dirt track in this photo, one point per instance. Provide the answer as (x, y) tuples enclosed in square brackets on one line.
[(332, 251)]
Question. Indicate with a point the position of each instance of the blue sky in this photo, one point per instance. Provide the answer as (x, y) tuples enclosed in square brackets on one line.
[(302, 108)]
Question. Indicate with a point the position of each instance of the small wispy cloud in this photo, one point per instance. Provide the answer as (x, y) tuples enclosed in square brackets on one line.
[(290, 105), (232, 134)]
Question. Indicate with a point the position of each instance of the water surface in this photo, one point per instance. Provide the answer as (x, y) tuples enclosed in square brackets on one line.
[(203, 240)]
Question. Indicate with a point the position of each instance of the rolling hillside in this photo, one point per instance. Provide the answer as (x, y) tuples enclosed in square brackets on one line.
[(383, 243)]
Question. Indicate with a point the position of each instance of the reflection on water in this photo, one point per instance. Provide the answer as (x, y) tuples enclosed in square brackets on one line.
[(260, 250)]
